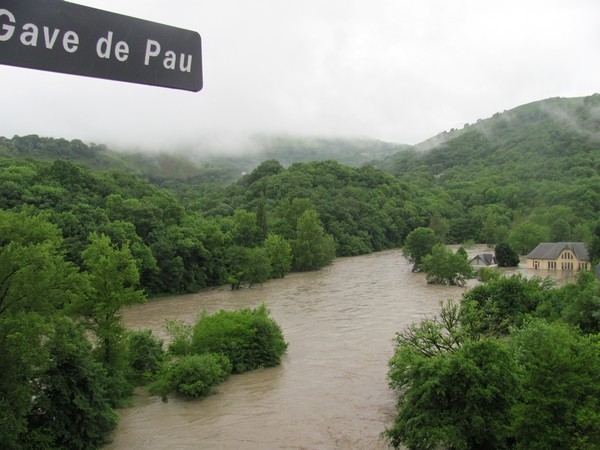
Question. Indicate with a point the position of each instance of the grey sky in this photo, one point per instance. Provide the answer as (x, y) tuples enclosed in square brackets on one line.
[(393, 70)]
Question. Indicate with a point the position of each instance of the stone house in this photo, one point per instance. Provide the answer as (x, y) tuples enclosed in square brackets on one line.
[(571, 256)]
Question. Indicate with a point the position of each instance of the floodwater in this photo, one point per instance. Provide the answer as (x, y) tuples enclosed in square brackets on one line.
[(330, 392)]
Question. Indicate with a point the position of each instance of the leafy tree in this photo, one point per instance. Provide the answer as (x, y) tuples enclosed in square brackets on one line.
[(261, 217), (443, 266), (576, 303), (418, 244), (280, 255), (192, 375), (493, 307), (440, 226), (70, 402), (35, 285), (246, 231), (249, 338), (180, 335), (506, 256), (594, 246), (113, 275), (460, 398), (145, 355), (258, 266), (313, 248), (526, 236), (559, 405)]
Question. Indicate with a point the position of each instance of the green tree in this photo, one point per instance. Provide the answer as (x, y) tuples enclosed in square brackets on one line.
[(280, 255), (443, 266), (145, 355), (70, 402), (35, 285), (493, 307), (258, 266), (313, 248), (506, 256), (261, 217), (440, 226), (594, 246), (249, 338), (192, 375), (459, 399), (113, 275), (527, 235), (560, 400), (418, 244)]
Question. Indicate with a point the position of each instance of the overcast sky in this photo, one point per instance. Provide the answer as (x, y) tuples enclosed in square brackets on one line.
[(394, 70)]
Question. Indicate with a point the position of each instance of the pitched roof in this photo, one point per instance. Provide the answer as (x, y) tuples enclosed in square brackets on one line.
[(552, 250), (487, 258)]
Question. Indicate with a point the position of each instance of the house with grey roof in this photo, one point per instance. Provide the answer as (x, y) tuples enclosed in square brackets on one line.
[(571, 256), (484, 260)]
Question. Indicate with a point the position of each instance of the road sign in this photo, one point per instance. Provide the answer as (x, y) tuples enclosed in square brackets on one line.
[(64, 37)]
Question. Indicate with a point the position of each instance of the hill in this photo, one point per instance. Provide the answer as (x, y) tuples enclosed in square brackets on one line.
[(525, 162), (200, 164)]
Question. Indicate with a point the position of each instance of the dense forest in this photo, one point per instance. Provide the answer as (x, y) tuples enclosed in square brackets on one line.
[(85, 230)]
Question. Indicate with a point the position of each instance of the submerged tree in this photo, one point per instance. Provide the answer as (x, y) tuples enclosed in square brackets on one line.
[(443, 266), (506, 256), (419, 244)]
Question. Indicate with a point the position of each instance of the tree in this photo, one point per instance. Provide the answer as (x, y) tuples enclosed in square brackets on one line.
[(493, 307), (261, 217), (249, 338), (280, 255), (258, 266), (527, 235), (312, 249), (506, 256), (192, 375), (460, 398), (70, 402), (418, 244), (113, 275), (559, 405), (446, 267), (145, 355), (594, 246), (36, 283)]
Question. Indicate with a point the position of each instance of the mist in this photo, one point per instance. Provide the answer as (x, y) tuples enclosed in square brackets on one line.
[(392, 71)]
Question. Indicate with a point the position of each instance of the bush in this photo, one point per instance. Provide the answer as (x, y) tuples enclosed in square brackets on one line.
[(487, 274), (249, 338), (193, 375), (181, 337), (145, 355)]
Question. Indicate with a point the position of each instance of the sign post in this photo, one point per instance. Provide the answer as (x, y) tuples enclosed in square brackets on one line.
[(64, 37)]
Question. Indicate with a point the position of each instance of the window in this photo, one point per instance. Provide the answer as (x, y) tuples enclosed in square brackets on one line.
[(552, 265), (566, 266)]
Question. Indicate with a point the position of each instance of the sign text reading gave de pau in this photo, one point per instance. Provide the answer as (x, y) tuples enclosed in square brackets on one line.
[(65, 37)]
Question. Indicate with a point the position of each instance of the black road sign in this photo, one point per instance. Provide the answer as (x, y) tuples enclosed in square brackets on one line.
[(64, 37)]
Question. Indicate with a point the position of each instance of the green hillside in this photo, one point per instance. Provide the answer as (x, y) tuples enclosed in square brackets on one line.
[(538, 162)]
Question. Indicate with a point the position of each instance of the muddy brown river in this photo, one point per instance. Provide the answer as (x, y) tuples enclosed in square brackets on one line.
[(330, 392)]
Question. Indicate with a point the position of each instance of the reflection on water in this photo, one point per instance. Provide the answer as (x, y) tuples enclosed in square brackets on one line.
[(330, 391)]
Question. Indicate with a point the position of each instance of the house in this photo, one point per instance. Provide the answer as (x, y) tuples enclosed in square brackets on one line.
[(484, 260), (560, 256)]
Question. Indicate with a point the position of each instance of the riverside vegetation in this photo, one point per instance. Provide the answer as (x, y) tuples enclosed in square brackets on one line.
[(85, 231)]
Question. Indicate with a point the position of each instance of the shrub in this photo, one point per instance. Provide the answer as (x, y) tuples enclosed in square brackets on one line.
[(249, 338), (145, 355), (487, 274), (193, 375), (181, 337)]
